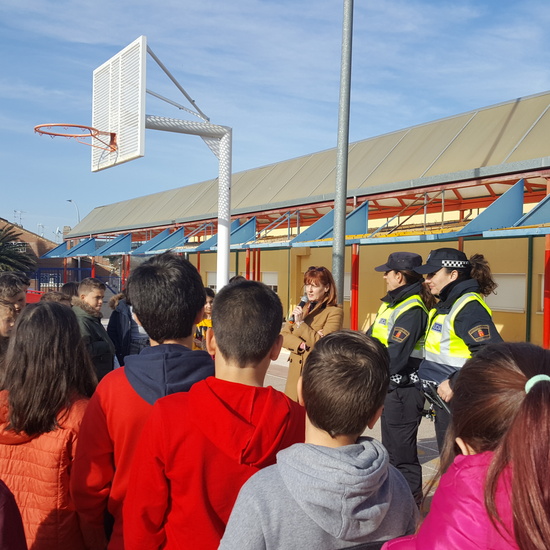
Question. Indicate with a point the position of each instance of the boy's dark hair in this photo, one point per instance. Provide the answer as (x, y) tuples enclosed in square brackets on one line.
[(11, 284), (56, 296), (344, 382), (246, 318), (89, 284), (167, 294), (25, 281), (70, 289), (209, 292)]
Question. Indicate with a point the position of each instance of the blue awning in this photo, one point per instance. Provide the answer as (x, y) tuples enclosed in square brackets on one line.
[(212, 242), (57, 252), (177, 238), (534, 223), (243, 234), (146, 246), (503, 212), (83, 248), (539, 215), (117, 247), (356, 224)]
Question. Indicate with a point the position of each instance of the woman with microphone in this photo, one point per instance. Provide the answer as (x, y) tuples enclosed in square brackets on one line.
[(316, 316)]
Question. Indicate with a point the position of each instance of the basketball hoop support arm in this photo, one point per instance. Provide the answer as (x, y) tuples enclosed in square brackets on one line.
[(176, 83), (219, 139)]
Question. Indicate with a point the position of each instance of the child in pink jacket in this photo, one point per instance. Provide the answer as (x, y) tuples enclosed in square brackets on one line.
[(494, 492)]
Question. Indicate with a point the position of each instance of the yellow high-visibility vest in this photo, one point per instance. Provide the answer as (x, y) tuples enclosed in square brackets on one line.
[(442, 344), (387, 317)]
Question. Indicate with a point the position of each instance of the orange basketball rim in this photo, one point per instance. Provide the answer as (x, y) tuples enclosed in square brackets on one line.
[(97, 138)]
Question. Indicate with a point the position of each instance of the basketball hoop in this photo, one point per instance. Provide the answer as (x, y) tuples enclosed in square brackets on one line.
[(107, 144)]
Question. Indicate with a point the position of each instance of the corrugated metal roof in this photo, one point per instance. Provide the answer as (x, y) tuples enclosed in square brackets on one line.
[(500, 139)]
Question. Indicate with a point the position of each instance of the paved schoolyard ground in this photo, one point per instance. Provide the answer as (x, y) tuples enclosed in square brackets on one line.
[(427, 446)]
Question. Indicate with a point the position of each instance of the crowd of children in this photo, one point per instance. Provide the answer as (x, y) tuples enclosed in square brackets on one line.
[(186, 448)]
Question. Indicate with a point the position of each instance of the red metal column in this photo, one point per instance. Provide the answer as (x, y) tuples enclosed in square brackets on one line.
[(199, 262), (256, 264), (354, 306), (64, 270), (259, 275), (546, 316), (93, 266), (248, 263), (546, 305)]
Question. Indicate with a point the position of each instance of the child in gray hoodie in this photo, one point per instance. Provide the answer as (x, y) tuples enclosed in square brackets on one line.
[(337, 489)]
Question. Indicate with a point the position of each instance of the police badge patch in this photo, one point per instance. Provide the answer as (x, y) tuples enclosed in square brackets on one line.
[(399, 334), (480, 333)]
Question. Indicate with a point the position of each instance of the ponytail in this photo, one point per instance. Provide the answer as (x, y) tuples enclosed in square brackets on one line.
[(481, 272), (526, 446)]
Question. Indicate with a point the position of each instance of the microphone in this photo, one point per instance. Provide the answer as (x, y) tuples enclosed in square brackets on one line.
[(302, 303)]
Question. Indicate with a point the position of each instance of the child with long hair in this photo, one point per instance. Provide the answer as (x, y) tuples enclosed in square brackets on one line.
[(494, 491), (45, 385)]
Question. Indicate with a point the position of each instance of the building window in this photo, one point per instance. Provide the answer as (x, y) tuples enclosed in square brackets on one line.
[(510, 293), (271, 279), (211, 279)]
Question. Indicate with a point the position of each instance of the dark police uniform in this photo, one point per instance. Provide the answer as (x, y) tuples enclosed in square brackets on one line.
[(400, 325), (469, 327)]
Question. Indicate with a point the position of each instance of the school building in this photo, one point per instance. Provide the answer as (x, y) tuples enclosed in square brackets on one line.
[(476, 181)]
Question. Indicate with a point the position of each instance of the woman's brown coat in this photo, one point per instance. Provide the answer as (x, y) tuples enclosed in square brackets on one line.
[(317, 323)]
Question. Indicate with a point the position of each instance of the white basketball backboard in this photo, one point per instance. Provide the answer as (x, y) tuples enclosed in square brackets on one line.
[(118, 104)]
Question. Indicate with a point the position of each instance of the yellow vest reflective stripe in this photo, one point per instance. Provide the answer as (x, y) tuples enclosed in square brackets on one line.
[(442, 343), (387, 316)]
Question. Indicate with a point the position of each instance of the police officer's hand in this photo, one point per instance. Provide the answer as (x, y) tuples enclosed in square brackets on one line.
[(444, 391)]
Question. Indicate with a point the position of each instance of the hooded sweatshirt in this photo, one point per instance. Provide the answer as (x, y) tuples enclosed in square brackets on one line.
[(113, 422), (321, 497), (195, 453)]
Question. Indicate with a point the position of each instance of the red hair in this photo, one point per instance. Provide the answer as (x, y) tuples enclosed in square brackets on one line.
[(321, 276)]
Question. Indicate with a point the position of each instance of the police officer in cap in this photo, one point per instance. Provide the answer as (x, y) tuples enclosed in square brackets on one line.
[(400, 325), (459, 325)]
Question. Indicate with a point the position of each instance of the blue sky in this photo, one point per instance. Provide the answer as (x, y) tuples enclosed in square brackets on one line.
[(269, 69)]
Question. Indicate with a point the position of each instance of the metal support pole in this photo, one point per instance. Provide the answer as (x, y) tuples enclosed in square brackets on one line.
[(340, 195), (248, 264), (224, 210), (219, 139), (529, 299)]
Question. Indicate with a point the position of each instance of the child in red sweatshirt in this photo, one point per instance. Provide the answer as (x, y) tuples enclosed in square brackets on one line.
[(198, 448), (167, 295)]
